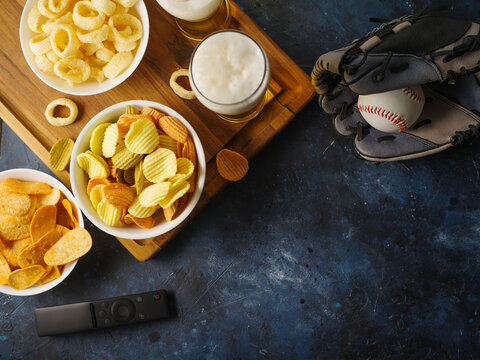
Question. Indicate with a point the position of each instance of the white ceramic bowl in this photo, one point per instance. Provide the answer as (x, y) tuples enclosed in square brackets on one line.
[(91, 86), (35, 175), (79, 179)]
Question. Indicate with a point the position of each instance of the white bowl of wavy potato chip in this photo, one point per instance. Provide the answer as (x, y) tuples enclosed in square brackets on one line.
[(79, 178), (38, 176), (90, 86)]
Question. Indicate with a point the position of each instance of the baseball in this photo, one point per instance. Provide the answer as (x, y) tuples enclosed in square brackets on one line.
[(392, 111)]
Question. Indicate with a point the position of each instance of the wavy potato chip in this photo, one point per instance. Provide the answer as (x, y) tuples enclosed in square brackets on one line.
[(24, 187), (96, 140), (52, 275), (43, 221), (129, 176), (111, 140), (108, 213), (145, 223), (4, 270), (188, 151), (177, 190), (231, 165), (154, 114), (33, 254), (168, 143), (125, 159), (94, 165), (131, 110), (160, 165), (126, 120), (69, 248), (142, 138), (118, 195), (153, 194), (49, 199), (60, 154), (140, 211), (174, 128), (14, 204), (24, 278), (96, 195), (185, 168), (139, 178), (96, 181)]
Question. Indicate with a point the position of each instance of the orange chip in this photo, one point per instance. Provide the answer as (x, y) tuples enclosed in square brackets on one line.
[(14, 204), (68, 207), (52, 275), (61, 229), (33, 254), (63, 217), (126, 120), (231, 165), (24, 278), (13, 249), (154, 114), (49, 199), (174, 128), (188, 151), (192, 180), (119, 195), (25, 219), (11, 229), (25, 187), (69, 248), (43, 221), (182, 204), (4, 270), (170, 211), (145, 223), (113, 168), (96, 181)]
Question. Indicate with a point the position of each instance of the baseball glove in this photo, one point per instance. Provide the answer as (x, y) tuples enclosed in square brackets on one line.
[(443, 54)]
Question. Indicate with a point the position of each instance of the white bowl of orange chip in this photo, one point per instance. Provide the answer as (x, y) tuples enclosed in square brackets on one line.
[(12, 250), (84, 47), (117, 205)]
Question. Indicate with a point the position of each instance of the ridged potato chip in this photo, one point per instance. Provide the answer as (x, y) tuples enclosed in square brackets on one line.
[(4, 270), (24, 187), (52, 275), (72, 69), (140, 211), (96, 195), (118, 195), (96, 140), (40, 44), (14, 204), (13, 249), (86, 16), (153, 194), (49, 199), (174, 128), (96, 181), (111, 140), (159, 165), (167, 142), (142, 138), (231, 165), (93, 164), (61, 121), (145, 223), (60, 154), (69, 248), (125, 159), (131, 110), (139, 178), (188, 151), (154, 114), (118, 24), (177, 190), (126, 120), (33, 254), (108, 213), (185, 168), (43, 221), (113, 169), (64, 41), (129, 176), (24, 278), (94, 37), (119, 62)]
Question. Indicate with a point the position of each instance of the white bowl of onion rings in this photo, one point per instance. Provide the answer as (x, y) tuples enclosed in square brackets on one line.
[(90, 86)]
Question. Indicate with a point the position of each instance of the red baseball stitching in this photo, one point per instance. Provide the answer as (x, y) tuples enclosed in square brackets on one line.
[(384, 113), (412, 94)]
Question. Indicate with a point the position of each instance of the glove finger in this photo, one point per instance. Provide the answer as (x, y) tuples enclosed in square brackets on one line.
[(326, 73), (348, 126), (332, 102)]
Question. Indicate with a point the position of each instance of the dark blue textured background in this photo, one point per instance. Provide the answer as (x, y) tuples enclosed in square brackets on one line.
[(314, 255)]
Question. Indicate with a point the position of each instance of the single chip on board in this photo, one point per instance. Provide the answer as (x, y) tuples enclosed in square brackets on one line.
[(109, 214), (96, 140), (160, 165), (4, 270), (69, 248), (118, 195), (140, 211), (43, 221), (60, 154), (142, 138), (231, 165), (153, 194), (14, 204), (33, 254), (25, 187), (24, 278), (50, 199), (174, 128)]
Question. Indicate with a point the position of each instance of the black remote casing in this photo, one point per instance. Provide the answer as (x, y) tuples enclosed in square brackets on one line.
[(104, 313)]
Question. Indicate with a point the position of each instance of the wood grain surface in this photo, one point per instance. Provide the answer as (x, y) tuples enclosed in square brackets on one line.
[(23, 98)]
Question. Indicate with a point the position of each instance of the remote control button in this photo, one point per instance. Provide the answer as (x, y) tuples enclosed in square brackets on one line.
[(101, 313), (141, 316), (156, 296), (107, 321), (139, 299), (123, 310)]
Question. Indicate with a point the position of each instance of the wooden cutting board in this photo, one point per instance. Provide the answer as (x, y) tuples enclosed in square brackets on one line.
[(23, 98)]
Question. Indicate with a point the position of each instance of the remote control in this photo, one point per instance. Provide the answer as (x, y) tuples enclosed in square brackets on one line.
[(100, 314)]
